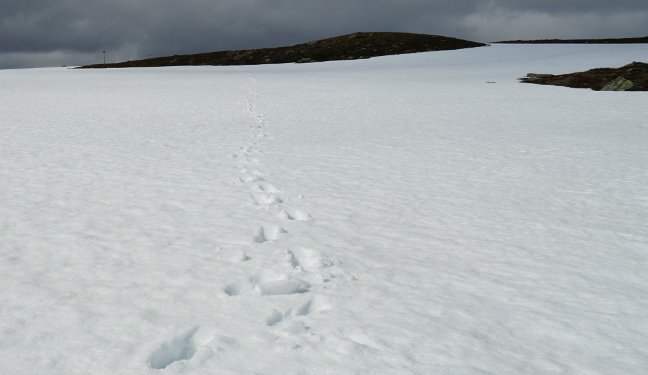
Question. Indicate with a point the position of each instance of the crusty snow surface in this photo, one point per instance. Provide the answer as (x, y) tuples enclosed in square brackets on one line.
[(414, 214)]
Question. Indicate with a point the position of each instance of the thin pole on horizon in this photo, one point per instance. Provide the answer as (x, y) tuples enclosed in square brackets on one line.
[(104, 54)]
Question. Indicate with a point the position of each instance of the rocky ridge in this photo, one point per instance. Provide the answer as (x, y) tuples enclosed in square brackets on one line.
[(580, 41), (346, 47)]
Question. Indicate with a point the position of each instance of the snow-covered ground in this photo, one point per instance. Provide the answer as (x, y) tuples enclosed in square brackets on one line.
[(415, 214)]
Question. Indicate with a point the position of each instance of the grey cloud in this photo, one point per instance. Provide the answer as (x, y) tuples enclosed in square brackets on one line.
[(81, 29), (562, 7), (543, 21)]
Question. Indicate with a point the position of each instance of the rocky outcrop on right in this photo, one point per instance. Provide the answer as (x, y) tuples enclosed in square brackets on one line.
[(631, 77)]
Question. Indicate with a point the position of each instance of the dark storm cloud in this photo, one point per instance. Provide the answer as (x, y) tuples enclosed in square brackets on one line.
[(38, 33)]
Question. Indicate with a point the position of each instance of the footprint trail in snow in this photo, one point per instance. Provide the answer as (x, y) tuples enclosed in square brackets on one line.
[(286, 273), (285, 285)]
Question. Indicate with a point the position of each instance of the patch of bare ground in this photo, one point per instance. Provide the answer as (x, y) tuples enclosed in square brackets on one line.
[(345, 47), (631, 77), (580, 41)]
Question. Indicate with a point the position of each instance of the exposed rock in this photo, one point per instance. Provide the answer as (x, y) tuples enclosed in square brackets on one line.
[(618, 84), (636, 68)]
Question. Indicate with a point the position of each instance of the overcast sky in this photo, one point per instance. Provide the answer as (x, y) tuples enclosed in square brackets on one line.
[(36, 33)]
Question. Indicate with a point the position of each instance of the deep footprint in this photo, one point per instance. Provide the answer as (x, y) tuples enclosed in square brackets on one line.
[(293, 214), (265, 199), (268, 233), (180, 348), (291, 259), (281, 287), (310, 260), (310, 306), (268, 188)]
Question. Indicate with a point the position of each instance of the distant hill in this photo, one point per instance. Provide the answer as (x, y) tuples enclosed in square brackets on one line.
[(345, 47), (580, 41)]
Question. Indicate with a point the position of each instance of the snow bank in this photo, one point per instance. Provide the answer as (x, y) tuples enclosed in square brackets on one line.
[(394, 215)]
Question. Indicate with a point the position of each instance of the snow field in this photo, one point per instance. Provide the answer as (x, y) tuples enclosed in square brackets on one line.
[(395, 215)]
